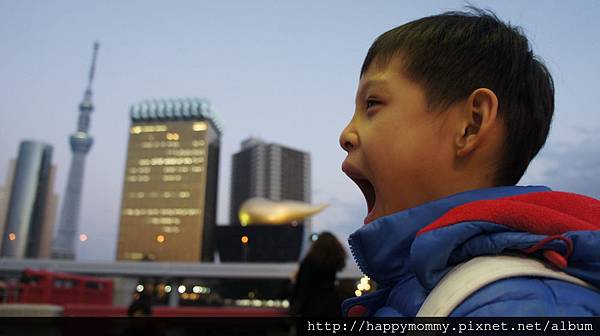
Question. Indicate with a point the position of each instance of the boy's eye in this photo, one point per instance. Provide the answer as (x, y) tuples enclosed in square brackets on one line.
[(371, 103)]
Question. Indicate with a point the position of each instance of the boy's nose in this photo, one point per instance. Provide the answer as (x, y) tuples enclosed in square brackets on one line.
[(348, 139)]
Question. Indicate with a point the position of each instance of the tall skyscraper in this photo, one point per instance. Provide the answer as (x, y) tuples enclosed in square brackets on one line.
[(81, 142), (29, 203), (169, 201), (268, 170)]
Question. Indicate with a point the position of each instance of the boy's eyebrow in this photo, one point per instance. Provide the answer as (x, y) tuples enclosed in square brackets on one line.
[(370, 83)]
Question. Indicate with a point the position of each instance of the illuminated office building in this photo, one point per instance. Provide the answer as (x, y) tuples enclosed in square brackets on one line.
[(169, 201), (270, 171), (28, 204)]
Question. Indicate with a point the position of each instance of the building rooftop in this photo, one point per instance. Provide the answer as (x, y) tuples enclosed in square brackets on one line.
[(175, 109)]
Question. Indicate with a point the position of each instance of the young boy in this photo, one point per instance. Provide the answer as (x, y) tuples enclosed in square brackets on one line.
[(450, 110)]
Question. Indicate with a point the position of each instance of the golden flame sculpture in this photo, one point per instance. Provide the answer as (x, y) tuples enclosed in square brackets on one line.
[(260, 210)]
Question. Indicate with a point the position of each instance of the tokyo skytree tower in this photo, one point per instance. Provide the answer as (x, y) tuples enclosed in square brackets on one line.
[(81, 142)]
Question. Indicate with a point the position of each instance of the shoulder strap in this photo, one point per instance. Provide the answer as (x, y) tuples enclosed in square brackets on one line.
[(467, 278)]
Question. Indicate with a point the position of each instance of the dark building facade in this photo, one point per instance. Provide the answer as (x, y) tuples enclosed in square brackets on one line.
[(268, 170), (30, 207), (260, 243), (169, 200)]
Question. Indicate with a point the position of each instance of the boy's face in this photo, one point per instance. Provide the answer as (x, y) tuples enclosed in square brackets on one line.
[(397, 148)]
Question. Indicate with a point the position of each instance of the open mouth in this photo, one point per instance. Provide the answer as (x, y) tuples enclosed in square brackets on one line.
[(365, 186), (368, 191)]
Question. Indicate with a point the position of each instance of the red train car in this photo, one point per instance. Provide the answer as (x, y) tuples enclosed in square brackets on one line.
[(40, 286)]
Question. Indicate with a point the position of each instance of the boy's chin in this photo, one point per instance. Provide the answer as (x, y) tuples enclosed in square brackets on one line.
[(371, 216)]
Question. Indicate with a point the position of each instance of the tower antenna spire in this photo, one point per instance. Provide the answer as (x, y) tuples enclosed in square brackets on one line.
[(93, 66)]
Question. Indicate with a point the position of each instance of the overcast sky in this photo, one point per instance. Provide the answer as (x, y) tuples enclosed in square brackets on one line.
[(285, 71)]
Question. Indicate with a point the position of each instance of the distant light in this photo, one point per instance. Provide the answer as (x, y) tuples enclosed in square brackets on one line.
[(172, 136), (285, 304), (181, 289), (136, 130), (244, 239), (197, 289), (358, 292), (160, 239), (139, 288), (314, 237), (83, 237), (361, 286), (168, 289), (12, 236), (367, 287), (364, 280)]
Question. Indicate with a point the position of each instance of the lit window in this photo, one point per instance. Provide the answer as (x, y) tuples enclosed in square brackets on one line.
[(172, 136), (136, 130), (199, 126), (158, 161), (171, 178), (170, 229)]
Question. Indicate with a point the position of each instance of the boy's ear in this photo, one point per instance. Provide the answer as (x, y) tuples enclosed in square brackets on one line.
[(478, 118)]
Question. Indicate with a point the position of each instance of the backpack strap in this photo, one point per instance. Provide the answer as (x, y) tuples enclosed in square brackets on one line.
[(467, 278)]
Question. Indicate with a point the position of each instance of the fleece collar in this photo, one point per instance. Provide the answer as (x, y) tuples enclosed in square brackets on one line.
[(382, 248)]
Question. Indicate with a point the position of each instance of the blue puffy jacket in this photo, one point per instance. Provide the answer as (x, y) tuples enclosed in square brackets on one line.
[(408, 252)]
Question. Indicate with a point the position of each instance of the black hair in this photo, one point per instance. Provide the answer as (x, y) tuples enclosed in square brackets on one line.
[(452, 54), (328, 251)]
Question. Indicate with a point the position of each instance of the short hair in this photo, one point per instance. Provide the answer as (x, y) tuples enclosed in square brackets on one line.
[(452, 54)]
